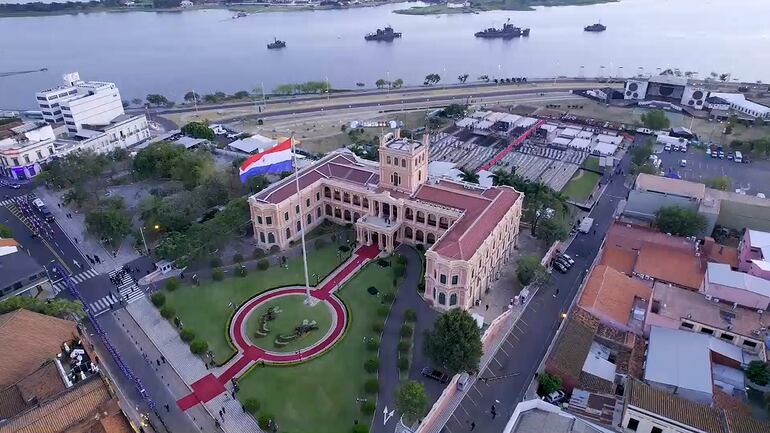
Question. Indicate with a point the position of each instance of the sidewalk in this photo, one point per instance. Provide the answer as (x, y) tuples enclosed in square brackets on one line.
[(189, 368), (75, 228)]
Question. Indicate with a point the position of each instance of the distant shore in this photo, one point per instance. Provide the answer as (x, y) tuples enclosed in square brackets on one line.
[(495, 5)]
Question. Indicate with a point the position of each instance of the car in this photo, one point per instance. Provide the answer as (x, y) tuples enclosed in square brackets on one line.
[(683, 163), (708, 153), (563, 262), (667, 148), (559, 267), (555, 397), (568, 258), (462, 381), (721, 155), (434, 374), (14, 185), (730, 156)]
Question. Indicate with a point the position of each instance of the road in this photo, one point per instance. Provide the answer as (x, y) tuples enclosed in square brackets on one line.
[(57, 247), (512, 368)]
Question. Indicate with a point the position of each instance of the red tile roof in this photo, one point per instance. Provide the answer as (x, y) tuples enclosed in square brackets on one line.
[(610, 294), (670, 265)]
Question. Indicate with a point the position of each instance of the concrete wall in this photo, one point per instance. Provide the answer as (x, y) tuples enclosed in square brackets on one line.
[(739, 296), (647, 422), (690, 394), (739, 216)]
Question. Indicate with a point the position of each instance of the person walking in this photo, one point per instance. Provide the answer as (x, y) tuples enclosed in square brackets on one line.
[(473, 425)]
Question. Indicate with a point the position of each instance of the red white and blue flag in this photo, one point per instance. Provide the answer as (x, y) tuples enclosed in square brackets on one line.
[(274, 160)]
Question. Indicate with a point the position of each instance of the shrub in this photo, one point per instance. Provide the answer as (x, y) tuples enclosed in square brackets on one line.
[(406, 330), (371, 386), (377, 327), (264, 421), (388, 297), (217, 275), (172, 284), (548, 383), (372, 365), (258, 253), (320, 243), (158, 299), (383, 311), (215, 262), (420, 248), (344, 248), (410, 315), (360, 428), (404, 346), (187, 335), (263, 264), (403, 363), (199, 347), (758, 372), (242, 271), (372, 344), (368, 408), (167, 312), (383, 263), (238, 258), (252, 405)]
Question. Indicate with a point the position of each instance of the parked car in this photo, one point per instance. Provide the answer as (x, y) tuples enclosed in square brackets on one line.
[(434, 374), (721, 155), (568, 258), (563, 262), (555, 397), (462, 381), (667, 148), (730, 156), (683, 163), (708, 153), (559, 267)]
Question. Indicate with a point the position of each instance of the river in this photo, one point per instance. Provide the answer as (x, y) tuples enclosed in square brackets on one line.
[(206, 50)]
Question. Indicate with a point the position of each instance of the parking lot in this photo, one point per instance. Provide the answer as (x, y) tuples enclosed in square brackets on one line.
[(752, 178)]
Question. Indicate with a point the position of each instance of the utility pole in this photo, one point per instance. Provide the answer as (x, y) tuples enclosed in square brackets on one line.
[(146, 250), (195, 102)]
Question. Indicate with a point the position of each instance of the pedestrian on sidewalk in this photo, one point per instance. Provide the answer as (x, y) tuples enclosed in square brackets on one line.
[(473, 425), (168, 409)]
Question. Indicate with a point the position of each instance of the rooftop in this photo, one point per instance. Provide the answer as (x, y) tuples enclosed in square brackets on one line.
[(674, 303), (611, 294), (18, 266), (537, 416), (684, 188), (403, 144), (719, 273), (34, 337), (681, 359), (35, 387), (668, 79)]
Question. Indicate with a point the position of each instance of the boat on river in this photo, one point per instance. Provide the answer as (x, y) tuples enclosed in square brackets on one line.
[(387, 34), (507, 32), (276, 44), (598, 27)]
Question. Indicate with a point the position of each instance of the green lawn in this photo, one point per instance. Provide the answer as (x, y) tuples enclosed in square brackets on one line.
[(592, 163), (204, 308), (292, 311), (581, 185), (319, 396)]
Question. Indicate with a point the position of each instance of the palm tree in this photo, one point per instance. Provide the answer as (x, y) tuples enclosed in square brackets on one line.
[(398, 82), (380, 83), (502, 177), (469, 176)]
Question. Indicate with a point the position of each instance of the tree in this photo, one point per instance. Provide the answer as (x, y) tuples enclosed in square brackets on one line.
[(198, 130), (380, 83), (136, 101), (548, 383), (57, 307), (484, 78), (252, 405), (432, 79), (680, 221), (502, 177), (462, 78), (552, 229), (199, 347), (469, 176), (412, 401), (241, 94), (109, 221), (454, 111), (722, 183), (454, 343), (655, 120), (397, 83), (5, 231), (758, 372), (192, 96), (157, 100), (530, 270)]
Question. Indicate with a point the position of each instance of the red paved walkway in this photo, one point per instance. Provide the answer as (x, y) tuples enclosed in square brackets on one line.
[(210, 386), (513, 145)]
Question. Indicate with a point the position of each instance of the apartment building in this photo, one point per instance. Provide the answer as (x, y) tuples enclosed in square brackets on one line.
[(469, 231)]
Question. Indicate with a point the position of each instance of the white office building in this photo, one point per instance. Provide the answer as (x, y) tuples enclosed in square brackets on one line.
[(25, 148), (77, 102), (122, 131)]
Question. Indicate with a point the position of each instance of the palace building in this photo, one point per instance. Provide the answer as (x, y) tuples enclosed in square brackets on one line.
[(469, 231)]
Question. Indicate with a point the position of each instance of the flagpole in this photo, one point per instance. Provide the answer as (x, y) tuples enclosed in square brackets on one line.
[(301, 220)]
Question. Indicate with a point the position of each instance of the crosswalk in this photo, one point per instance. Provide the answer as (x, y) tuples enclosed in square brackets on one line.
[(128, 292), (6, 202), (77, 279)]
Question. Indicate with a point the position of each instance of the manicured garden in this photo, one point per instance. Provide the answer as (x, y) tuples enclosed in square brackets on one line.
[(204, 309), (592, 163), (580, 187), (288, 312), (320, 395)]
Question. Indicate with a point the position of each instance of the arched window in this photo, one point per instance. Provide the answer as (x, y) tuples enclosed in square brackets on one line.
[(434, 293), (431, 220), (262, 237), (403, 163), (327, 192), (347, 215), (408, 232), (337, 213), (288, 233), (442, 298), (408, 214), (366, 203), (453, 299), (328, 210), (270, 238), (420, 216), (356, 216), (309, 219), (443, 223), (299, 225), (356, 200), (431, 238), (318, 212), (395, 161), (419, 236)]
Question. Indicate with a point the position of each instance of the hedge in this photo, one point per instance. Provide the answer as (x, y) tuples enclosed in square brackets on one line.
[(167, 312), (238, 258), (217, 275), (264, 421), (406, 330), (372, 344), (258, 253), (172, 284), (383, 311), (403, 363), (372, 386), (368, 407), (199, 347), (187, 335), (158, 299), (372, 365), (404, 346), (378, 327), (263, 264), (410, 315)]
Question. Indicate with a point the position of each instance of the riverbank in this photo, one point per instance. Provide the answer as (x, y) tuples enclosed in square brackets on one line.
[(495, 5)]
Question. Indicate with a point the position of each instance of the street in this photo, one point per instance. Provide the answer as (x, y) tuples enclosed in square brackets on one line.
[(512, 368)]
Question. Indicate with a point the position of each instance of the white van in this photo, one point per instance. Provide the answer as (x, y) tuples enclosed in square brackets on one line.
[(738, 156)]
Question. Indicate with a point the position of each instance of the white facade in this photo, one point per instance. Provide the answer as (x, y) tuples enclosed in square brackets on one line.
[(22, 154), (738, 102), (124, 131), (78, 102)]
